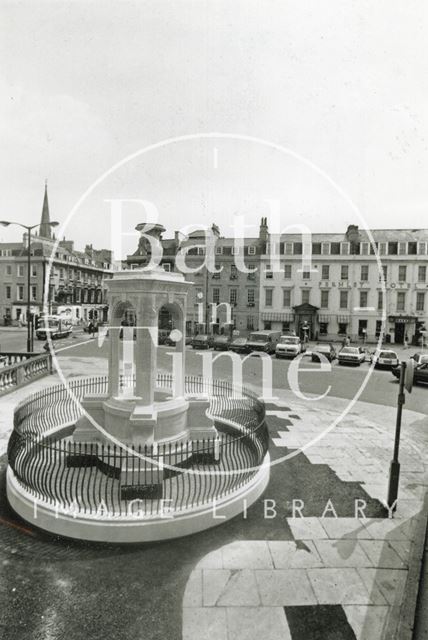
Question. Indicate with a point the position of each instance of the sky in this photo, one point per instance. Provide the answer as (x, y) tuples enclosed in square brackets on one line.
[(338, 91)]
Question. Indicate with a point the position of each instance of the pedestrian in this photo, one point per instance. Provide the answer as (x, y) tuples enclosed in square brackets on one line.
[(348, 341), (406, 341), (91, 329)]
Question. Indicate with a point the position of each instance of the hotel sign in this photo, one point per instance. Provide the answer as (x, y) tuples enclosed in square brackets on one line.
[(345, 284)]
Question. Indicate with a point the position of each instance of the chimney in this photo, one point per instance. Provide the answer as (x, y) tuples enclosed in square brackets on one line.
[(263, 231)]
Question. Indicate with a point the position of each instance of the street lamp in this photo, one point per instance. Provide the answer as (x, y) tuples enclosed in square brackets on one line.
[(28, 228)]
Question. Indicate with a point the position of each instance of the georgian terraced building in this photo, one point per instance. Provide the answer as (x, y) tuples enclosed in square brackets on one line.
[(76, 278), (342, 291)]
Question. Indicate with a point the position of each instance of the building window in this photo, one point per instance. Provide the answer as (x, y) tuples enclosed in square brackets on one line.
[(380, 299), (325, 248), (305, 296), (422, 248), (250, 297), (235, 250), (364, 248), (267, 325), (364, 272), (402, 248), (34, 271), (287, 271), (251, 250), (8, 269), (167, 266), (378, 328), (422, 273), (216, 274), (20, 292), (218, 250), (233, 296), (20, 270), (344, 272), (323, 328), (216, 295), (344, 248), (233, 272), (286, 298), (343, 302), (268, 272), (285, 327), (384, 274), (250, 323), (324, 299), (34, 292), (252, 273), (288, 248), (420, 301), (61, 274), (8, 292), (401, 301), (343, 328), (268, 297), (363, 299), (383, 248), (402, 273), (325, 272)]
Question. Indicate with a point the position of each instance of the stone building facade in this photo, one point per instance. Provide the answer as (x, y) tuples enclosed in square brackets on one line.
[(349, 286), (75, 280)]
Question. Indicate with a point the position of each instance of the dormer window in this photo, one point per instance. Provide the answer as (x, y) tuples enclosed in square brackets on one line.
[(251, 250), (325, 248), (364, 248)]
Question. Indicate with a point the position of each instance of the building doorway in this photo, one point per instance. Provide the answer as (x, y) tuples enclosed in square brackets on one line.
[(399, 332)]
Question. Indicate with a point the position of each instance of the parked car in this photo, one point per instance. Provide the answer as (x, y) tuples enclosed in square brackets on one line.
[(202, 341), (221, 343), (384, 358), (325, 349), (420, 373), (239, 345), (352, 355), (420, 358), (263, 341), (289, 347)]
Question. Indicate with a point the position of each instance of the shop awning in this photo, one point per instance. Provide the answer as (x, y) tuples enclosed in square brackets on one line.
[(278, 316), (343, 319)]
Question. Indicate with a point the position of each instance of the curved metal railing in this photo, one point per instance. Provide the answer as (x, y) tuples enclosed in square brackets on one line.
[(85, 477)]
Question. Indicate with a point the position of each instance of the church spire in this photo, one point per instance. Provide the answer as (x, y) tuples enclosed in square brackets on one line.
[(45, 228)]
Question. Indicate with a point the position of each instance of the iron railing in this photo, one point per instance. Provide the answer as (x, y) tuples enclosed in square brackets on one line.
[(86, 478)]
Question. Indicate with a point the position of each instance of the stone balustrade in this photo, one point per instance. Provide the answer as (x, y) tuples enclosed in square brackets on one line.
[(19, 369)]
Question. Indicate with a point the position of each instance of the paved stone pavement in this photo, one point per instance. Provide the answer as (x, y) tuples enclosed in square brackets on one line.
[(330, 577), (341, 577)]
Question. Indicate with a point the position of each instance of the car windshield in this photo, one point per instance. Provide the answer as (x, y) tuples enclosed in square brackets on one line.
[(256, 337), (221, 338), (289, 340), (240, 341), (352, 350), (322, 347), (201, 338), (387, 354)]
